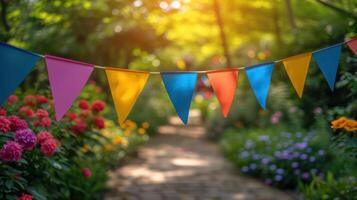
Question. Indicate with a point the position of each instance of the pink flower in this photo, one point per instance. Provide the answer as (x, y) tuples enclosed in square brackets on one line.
[(26, 138), (12, 99), (293, 109), (275, 118), (99, 122), (40, 99), (30, 100), (84, 114), (17, 123), (86, 172), (98, 106), (41, 113), (49, 147), (2, 112), (25, 197), (11, 151), (43, 136), (83, 104), (26, 111), (318, 110), (5, 124), (45, 122)]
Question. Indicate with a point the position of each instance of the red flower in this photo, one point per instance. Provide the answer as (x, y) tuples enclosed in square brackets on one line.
[(2, 112), (71, 116), (30, 100), (17, 123), (99, 122), (12, 99), (26, 111), (98, 106), (86, 172), (40, 99), (49, 147), (83, 104), (79, 126), (5, 124), (43, 136), (45, 122), (25, 197), (41, 113)]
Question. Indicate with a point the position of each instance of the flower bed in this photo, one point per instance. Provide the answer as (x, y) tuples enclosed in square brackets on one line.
[(44, 159)]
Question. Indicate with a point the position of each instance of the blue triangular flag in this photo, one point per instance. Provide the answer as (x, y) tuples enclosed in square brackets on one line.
[(15, 65), (180, 87), (328, 59), (259, 77)]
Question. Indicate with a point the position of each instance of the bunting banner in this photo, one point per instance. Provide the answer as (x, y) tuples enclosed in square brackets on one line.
[(353, 46), (15, 65), (224, 84), (297, 67), (67, 78), (180, 87), (259, 77), (328, 59), (125, 86)]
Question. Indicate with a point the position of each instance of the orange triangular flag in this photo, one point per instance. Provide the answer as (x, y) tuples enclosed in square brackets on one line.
[(224, 84), (296, 67)]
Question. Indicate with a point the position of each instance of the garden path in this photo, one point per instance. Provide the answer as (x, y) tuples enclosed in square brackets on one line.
[(179, 163)]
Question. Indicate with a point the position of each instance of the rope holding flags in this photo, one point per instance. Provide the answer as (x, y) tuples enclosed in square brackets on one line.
[(68, 77)]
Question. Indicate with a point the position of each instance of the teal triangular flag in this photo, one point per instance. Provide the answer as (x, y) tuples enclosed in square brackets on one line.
[(15, 65), (259, 77), (328, 59), (180, 88)]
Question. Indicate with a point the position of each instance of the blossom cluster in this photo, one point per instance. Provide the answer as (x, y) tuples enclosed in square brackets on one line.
[(349, 125), (283, 159)]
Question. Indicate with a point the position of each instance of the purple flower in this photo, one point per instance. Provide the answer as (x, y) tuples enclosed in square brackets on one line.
[(244, 154), (11, 151), (272, 167), (280, 171), (303, 156), (256, 156), (244, 169), (264, 138), (249, 144), (305, 175), (301, 145), (265, 161), (253, 166), (278, 177), (295, 165), (312, 159), (321, 152), (26, 138)]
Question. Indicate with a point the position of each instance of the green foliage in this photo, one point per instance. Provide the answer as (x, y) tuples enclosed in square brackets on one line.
[(331, 188)]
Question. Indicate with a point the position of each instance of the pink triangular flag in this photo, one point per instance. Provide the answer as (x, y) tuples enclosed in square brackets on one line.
[(67, 78), (353, 45)]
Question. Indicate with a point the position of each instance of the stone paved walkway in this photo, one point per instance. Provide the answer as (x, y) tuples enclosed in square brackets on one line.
[(180, 164)]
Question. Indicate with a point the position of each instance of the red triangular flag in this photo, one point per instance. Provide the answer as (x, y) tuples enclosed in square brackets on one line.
[(67, 78), (353, 45), (224, 84)]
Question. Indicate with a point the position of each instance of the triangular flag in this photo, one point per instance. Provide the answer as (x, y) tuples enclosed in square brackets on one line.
[(353, 45), (180, 87), (224, 84), (15, 65), (67, 78), (125, 87), (297, 67), (259, 77), (328, 59)]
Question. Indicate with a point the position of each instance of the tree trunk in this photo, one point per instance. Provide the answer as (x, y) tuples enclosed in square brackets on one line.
[(290, 14), (4, 4)]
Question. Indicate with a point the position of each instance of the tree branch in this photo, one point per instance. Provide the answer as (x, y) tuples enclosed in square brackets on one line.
[(338, 9), (4, 4)]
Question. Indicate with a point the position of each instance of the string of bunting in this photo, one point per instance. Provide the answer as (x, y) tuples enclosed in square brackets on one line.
[(68, 77)]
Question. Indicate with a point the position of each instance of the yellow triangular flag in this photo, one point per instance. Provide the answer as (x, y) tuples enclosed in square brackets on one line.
[(296, 67), (125, 87)]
